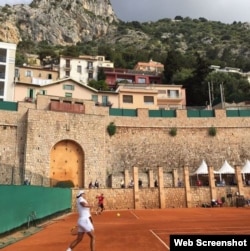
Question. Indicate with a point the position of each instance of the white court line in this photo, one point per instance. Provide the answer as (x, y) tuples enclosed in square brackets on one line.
[(245, 228), (215, 231), (137, 217), (164, 244)]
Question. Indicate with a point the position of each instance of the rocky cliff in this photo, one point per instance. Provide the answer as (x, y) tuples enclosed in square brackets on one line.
[(64, 22)]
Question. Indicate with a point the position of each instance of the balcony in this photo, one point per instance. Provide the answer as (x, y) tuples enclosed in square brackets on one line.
[(67, 107), (169, 97), (29, 99), (90, 68), (106, 104), (67, 67)]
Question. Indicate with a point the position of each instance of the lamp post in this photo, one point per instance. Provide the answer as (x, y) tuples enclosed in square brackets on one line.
[(222, 95)]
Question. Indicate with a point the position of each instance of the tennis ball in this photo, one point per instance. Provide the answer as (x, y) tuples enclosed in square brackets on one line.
[(118, 214)]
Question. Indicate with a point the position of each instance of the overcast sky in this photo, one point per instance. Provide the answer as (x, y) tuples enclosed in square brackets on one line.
[(226, 11)]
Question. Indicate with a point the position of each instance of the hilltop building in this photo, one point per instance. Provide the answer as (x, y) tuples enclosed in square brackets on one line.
[(7, 69), (116, 75), (83, 68), (151, 66)]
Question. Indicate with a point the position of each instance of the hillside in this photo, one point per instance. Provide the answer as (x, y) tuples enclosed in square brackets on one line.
[(93, 26), (223, 44), (187, 47), (64, 22)]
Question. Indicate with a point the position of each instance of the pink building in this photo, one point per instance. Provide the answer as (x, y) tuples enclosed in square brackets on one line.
[(115, 75)]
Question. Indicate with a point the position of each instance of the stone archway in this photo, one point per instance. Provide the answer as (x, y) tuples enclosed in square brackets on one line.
[(67, 163)]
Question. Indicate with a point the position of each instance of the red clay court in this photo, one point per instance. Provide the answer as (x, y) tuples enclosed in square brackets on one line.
[(140, 230)]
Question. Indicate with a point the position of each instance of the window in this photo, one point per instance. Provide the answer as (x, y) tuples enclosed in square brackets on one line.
[(43, 92), (1, 88), (90, 65), (31, 93), (127, 99), (49, 76), (148, 100), (17, 73), (28, 73), (68, 95), (90, 75), (105, 100), (68, 87), (67, 73), (173, 93), (79, 68), (141, 80), (67, 63), (95, 98)]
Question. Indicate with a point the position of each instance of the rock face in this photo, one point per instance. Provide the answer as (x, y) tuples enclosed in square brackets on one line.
[(64, 22)]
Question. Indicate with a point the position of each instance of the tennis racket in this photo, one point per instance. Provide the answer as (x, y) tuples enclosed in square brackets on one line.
[(74, 230)]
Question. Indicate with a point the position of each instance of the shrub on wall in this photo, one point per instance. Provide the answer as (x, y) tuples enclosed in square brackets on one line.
[(212, 131), (111, 128), (173, 131)]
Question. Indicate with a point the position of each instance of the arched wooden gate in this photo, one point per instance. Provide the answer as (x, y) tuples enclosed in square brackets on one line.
[(67, 163)]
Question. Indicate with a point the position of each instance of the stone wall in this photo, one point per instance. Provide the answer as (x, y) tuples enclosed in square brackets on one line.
[(146, 143), (27, 136), (162, 197)]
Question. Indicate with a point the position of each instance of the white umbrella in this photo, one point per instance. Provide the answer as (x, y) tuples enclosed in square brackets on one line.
[(202, 169), (245, 168), (226, 169)]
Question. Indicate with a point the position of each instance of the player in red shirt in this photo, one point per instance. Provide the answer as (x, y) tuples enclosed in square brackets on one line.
[(100, 207)]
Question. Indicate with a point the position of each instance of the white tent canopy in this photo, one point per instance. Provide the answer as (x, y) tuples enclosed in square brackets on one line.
[(202, 169), (226, 169), (246, 167)]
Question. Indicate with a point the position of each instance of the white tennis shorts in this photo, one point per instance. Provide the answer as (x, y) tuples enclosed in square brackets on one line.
[(85, 225)]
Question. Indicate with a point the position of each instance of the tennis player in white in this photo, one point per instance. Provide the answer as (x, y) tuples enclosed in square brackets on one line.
[(84, 222)]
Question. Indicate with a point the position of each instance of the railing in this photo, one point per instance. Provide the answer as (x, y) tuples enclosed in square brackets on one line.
[(123, 112), (200, 113), (104, 104), (173, 113), (238, 113), (9, 106), (29, 99), (162, 113)]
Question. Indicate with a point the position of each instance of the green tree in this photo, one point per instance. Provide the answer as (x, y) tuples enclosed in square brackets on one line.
[(100, 85), (196, 87), (182, 75), (72, 51), (101, 74), (48, 56), (236, 88), (171, 66), (21, 59)]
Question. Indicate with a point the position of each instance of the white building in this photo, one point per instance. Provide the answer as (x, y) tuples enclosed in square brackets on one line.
[(83, 68), (7, 71)]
